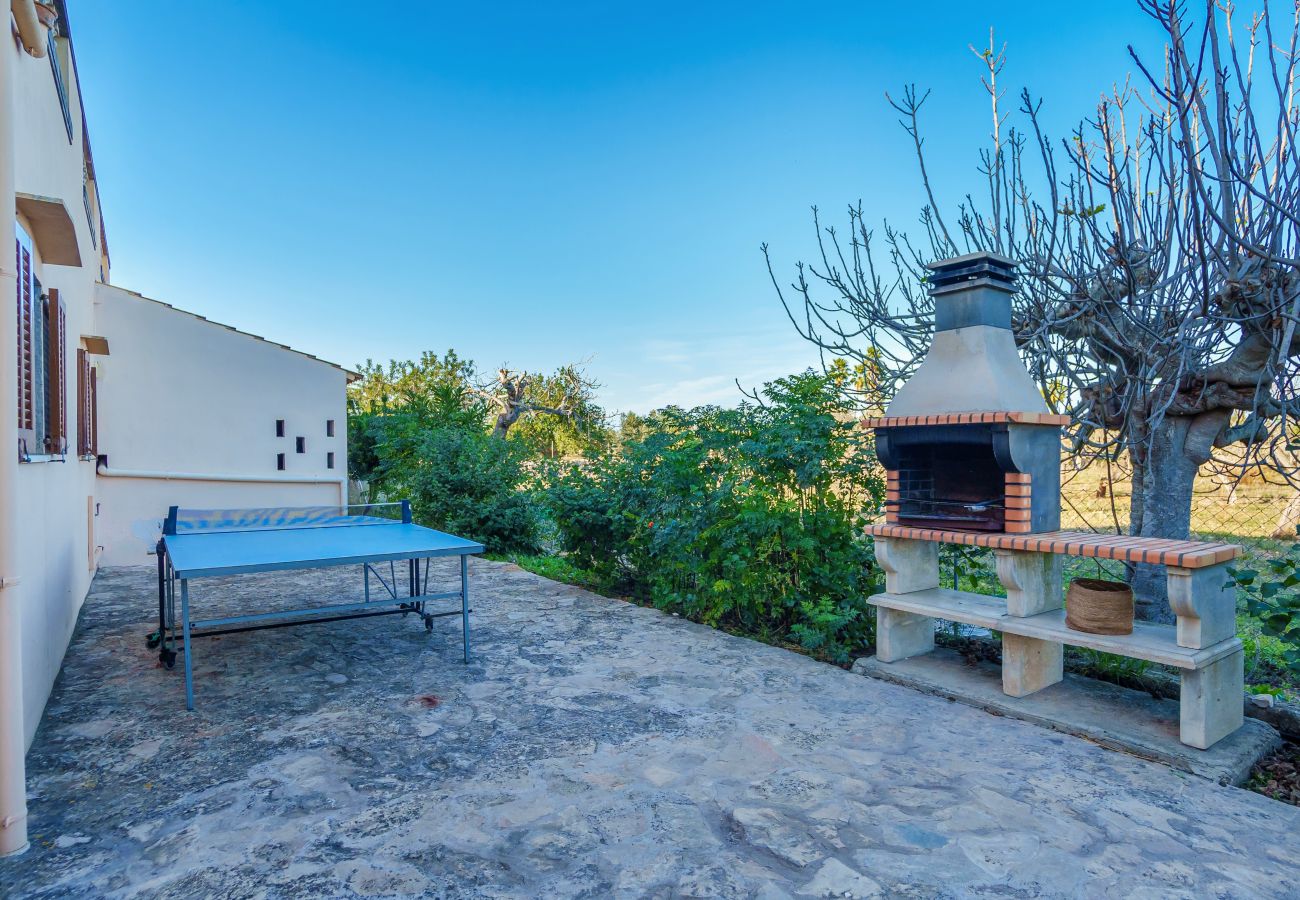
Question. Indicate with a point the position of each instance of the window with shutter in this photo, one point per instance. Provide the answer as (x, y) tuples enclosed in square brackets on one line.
[(56, 382), (25, 349), (94, 414), (83, 405), (40, 352), (87, 443)]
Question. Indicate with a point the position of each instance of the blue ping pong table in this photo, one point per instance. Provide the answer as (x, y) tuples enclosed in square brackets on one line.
[(210, 543)]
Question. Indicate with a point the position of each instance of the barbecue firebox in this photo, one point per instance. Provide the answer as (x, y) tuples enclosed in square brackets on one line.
[(948, 476), (968, 442)]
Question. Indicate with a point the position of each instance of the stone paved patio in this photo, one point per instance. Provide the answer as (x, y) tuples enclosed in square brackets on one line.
[(593, 748)]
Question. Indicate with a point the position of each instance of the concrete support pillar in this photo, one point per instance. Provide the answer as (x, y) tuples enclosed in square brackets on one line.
[(1032, 580), (1029, 665), (909, 565), (1205, 602), (1210, 701), (900, 635), (1033, 584)]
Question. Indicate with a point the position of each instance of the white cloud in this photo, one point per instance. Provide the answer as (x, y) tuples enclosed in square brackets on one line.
[(703, 369)]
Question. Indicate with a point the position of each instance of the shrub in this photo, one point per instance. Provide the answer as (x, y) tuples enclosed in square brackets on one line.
[(472, 485), (460, 480), (593, 518), (748, 519), (418, 431), (1273, 598)]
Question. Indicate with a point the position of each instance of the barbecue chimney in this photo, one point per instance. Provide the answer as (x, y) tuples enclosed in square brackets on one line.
[(972, 365), (968, 442)]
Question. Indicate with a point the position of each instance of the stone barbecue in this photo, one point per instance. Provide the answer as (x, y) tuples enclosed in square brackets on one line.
[(968, 442), (973, 457)]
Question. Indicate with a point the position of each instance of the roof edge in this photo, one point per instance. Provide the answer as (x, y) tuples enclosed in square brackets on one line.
[(351, 375)]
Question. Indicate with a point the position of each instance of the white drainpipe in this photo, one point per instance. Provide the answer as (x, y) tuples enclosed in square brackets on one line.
[(13, 743)]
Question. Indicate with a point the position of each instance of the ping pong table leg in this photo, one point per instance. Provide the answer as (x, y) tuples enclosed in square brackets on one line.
[(185, 625), (160, 552), (169, 635), (464, 602)]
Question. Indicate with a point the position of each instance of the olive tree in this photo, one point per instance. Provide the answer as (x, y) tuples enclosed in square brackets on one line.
[(553, 413)]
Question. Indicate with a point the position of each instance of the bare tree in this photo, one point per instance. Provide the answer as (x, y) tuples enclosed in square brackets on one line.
[(1159, 247), (514, 394)]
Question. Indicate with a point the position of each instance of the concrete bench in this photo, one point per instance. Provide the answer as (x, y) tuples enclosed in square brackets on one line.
[(1203, 645)]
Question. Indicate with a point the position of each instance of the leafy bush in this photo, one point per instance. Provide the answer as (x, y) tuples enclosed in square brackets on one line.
[(1273, 598), (592, 512), (389, 408), (458, 479), (748, 518), (418, 431), (472, 485)]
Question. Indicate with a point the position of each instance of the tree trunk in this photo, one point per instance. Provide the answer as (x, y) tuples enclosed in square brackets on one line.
[(1166, 511), (1137, 496), (505, 419)]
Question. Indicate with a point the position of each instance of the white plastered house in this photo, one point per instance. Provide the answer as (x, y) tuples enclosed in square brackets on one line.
[(113, 406)]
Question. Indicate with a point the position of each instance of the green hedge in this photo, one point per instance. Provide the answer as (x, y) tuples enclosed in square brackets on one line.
[(748, 519), (458, 478)]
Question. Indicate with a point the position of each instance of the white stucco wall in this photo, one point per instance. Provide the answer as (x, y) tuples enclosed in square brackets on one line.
[(177, 394), (53, 562), (183, 395)]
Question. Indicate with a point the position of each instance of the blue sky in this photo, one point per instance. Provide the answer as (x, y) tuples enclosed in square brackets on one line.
[(538, 183)]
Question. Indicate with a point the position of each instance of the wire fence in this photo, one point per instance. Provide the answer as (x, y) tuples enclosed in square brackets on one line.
[(1260, 516)]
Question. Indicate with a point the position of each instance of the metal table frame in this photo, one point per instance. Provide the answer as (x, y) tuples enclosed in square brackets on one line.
[(387, 602)]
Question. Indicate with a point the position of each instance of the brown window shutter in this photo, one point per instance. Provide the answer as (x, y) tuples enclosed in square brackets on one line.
[(86, 402), (26, 375), (94, 414), (56, 379), (83, 406)]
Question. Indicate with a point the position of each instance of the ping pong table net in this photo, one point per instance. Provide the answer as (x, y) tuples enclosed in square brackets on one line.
[(277, 518)]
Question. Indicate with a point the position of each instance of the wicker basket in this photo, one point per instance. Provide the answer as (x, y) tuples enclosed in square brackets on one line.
[(1099, 607)]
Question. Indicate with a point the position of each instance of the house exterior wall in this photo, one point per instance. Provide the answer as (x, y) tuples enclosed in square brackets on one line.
[(183, 395), (52, 494), (177, 394)]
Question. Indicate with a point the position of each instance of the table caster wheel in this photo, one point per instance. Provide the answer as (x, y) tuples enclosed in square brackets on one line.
[(169, 659), (153, 639), (428, 623)]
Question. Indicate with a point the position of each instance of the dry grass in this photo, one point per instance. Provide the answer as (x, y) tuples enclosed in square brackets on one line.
[(1252, 512)]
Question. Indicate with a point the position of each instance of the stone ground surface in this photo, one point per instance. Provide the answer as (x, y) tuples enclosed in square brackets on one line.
[(592, 748), (1106, 714)]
